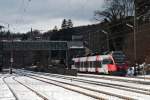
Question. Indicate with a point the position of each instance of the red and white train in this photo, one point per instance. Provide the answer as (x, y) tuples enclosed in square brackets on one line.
[(100, 64)]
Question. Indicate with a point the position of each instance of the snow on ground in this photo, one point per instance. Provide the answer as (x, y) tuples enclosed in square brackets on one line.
[(21, 92), (106, 89), (5, 93), (147, 76), (52, 92), (117, 77), (142, 86), (135, 85)]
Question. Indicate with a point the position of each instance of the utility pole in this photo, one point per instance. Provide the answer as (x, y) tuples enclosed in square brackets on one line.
[(31, 34), (11, 61), (11, 56), (67, 56), (107, 36), (134, 35)]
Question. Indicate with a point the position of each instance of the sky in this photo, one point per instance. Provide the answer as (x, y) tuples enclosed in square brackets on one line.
[(21, 15)]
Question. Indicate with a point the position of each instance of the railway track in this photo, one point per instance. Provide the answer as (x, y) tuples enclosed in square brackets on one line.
[(112, 85), (71, 88), (116, 86), (83, 87), (13, 93), (116, 79), (119, 87), (38, 94), (131, 89)]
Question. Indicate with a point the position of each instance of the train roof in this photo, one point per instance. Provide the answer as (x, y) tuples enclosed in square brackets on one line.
[(91, 58)]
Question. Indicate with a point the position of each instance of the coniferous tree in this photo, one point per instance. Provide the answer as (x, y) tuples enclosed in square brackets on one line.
[(64, 24), (70, 24), (1, 27)]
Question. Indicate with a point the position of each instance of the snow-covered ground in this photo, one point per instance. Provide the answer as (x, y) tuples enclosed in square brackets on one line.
[(21, 92), (49, 91), (122, 78), (106, 89), (5, 93), (140, 87), (53, 92), (147, 76)]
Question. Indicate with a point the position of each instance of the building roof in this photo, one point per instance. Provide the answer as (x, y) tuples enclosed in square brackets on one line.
[(75, 44)]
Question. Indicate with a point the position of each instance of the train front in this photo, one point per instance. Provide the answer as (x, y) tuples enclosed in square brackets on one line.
[(121, 63)]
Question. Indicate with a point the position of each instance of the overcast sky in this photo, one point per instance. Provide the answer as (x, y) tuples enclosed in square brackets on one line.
[(21, 15)]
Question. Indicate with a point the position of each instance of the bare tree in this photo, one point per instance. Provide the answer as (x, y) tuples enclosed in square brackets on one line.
[(116, 14), (116, 10), (55, 29)]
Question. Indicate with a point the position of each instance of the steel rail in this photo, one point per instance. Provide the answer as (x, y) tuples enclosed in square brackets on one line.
[(38, 94), (13, 93), (115, 79), (121, 87), (117, 86), (98, 91)]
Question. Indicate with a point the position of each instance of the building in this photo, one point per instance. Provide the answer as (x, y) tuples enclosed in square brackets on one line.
[(143, 10)]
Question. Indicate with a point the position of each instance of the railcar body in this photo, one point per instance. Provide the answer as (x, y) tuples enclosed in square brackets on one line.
[(98, 64)]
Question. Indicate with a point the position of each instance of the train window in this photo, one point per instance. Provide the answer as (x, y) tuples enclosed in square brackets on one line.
[(107, 61), (82, 64), (97, 64), (90, 64), (86, 64), (77, 64)]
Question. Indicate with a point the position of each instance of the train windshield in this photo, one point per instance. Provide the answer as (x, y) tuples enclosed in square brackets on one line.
[(119, 58), (107, 61)]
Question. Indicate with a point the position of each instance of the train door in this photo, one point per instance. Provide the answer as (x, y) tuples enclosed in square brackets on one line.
[(86, 66), (89, 66), (73, 65), (97, 66), (76, 63), (92, 68), (105, 63), (80, 67), (83, 67)]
